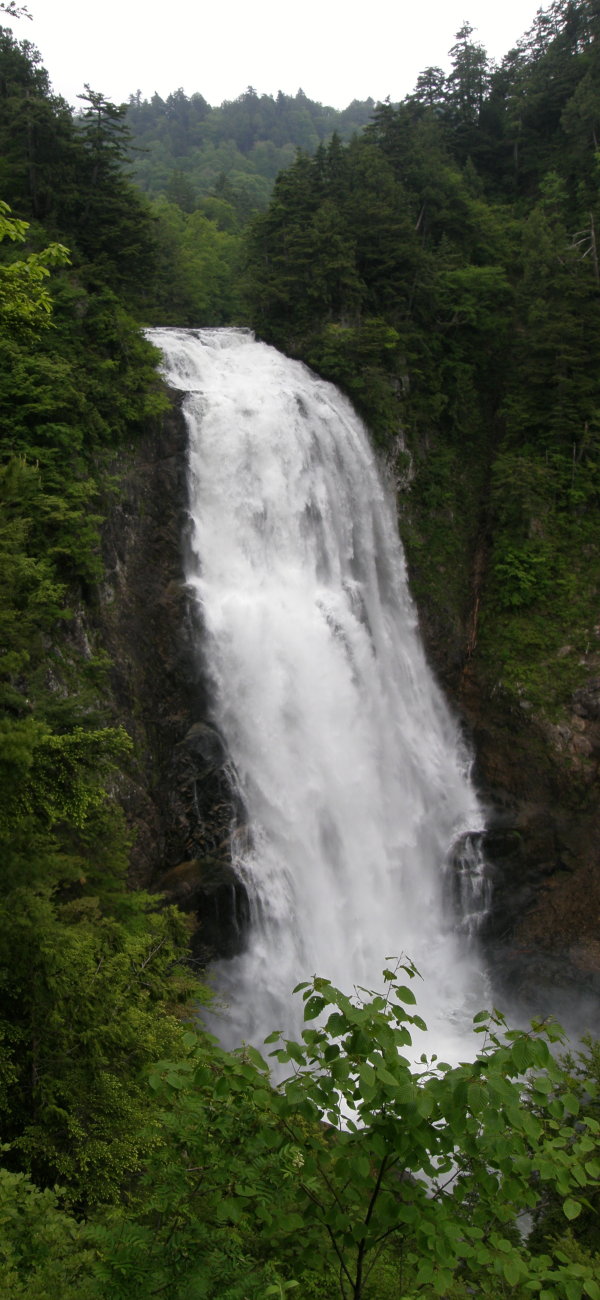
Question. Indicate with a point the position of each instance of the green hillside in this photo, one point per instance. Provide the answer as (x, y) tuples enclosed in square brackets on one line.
[(185, 150), (442, 267)]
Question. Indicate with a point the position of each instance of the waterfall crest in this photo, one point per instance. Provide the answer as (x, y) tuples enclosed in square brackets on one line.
[(349, 763)]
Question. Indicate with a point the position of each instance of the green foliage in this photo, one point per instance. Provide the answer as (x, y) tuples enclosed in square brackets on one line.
[(579, 1087), (90, 974), (440, 522), (94, 1004), (188, 151), (361, 1174), (43, 1252), (30, 596), (200, 263), (421, 1155), (545, 571), (442, 268), (463, 221), (362, 359), (65, 781), (25, 302)]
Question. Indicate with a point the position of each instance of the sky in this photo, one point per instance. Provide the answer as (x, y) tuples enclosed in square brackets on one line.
[(335, 50)]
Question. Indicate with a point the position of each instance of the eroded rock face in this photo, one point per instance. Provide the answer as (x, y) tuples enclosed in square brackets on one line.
[(586, 701), (540, 784), (178, 794)]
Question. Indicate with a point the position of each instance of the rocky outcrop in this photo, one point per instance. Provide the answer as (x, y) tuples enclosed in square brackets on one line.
[(178, 794), (539, 782), (543, 934)]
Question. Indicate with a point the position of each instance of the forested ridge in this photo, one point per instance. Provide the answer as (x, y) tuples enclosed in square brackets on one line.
[(442, 267), (186, 150)]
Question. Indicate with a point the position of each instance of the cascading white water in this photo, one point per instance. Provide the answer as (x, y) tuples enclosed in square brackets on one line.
[(350, 766)]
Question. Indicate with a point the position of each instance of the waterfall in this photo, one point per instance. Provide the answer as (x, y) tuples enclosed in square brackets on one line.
[(350, 766)]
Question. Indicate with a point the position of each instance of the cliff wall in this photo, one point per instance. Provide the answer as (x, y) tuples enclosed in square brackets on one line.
[(177, 795), (537, 772), (537, 778)]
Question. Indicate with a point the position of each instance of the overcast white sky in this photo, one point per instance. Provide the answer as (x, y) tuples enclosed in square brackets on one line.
[(336, 50)]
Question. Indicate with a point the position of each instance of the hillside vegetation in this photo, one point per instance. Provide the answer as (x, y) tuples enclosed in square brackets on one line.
[(186, 151), (442, 267)]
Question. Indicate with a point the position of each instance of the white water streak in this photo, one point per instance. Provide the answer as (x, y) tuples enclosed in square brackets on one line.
[(351, 768)]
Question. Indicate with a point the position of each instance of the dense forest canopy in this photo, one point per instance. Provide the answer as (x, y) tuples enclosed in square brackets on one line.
[(240, 146), (439, 262), (443, 267)]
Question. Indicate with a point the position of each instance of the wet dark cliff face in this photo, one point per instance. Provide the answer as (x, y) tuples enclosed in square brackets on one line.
[(539, 782), (178, 798)]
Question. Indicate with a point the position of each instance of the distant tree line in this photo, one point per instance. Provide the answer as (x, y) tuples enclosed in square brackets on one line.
[(186, 150)]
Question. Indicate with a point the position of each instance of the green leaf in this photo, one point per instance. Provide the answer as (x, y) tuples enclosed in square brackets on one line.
[(513, 1269), (230, 1209), (425, 1273), (406, 1094), (385, 1076), (290, 1222), (176, 1081), (294, 1052), (407, 1213), (531, 1126), (571, 1208), (541, 1053), (572, 1288), (256, 1059), (477, 1097), (523, 1054), (314, 1007), (425, 1103), (405, 994)]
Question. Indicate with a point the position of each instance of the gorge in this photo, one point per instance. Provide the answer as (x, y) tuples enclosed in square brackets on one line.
[(195, 824), (360, 828)]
